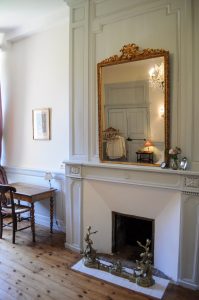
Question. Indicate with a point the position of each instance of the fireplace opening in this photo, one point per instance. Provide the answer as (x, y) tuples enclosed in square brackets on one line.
[(126, 231)]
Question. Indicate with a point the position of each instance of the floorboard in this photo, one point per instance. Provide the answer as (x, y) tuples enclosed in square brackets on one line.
[(42, 270)]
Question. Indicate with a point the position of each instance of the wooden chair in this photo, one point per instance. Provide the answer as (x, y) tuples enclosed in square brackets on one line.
[(3, 176), (8, 208)]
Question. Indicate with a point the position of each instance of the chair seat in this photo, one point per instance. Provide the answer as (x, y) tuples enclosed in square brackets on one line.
[(18, 209), (9, 208)]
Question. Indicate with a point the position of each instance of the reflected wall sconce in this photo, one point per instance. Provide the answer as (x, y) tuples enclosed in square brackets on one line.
[(161, 111), (48, 176)]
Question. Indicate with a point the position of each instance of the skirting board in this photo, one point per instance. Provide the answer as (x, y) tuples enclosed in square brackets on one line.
[(45, 221), (74, 248), (156, 291)]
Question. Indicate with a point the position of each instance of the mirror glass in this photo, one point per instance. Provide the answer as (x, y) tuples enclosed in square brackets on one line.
[(133, 108)]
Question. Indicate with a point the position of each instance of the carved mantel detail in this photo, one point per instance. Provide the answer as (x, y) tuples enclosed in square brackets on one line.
[(192, 182), (191, 185), (74, 170)]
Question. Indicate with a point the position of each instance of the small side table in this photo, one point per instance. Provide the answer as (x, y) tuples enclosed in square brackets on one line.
[(33, 193), (145, 157)]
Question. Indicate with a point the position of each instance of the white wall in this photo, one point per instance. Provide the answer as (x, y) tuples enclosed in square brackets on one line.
[(103, 27), (35, 75)]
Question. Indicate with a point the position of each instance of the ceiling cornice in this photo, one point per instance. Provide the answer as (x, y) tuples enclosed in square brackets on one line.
[(59, 17)]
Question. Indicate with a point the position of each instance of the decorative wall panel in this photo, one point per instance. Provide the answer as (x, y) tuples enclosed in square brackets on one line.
[(78, 80), (195, 124), (74, 208), (190, 240)]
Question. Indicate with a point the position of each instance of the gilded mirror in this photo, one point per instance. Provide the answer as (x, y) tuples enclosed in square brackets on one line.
[(133, 106)]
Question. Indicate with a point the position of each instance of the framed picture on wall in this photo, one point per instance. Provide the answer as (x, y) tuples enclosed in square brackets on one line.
[(41, 124)]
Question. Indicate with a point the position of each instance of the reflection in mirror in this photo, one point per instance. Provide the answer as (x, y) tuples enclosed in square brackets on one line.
[(133, 108)]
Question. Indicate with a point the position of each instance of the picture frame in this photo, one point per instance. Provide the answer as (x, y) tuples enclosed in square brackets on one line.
[(41, 123), (183, 163), (163, 165)]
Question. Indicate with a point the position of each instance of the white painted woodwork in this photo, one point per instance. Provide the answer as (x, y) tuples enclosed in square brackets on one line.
[(190, 239), (132, 123), (126, 109), (121, 23), (78, 106), (127, 94), (74, 210), (137, 123), (107, 26), (116, 118), (125, 106), (195, 60)]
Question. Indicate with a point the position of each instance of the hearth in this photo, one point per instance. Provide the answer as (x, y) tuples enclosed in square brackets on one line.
[(126, 231)]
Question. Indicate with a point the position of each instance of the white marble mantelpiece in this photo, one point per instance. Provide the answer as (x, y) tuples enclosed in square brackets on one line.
[(94, 189), (185, 181)]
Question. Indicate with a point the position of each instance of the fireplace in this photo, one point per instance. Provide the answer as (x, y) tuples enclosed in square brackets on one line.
[(126, 231), (166, 198)]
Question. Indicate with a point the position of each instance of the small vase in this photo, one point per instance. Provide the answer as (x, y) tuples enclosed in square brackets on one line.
[(174, 164)]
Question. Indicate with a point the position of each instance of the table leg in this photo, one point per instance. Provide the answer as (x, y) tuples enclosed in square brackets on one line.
[(32, 219), (51, 214)]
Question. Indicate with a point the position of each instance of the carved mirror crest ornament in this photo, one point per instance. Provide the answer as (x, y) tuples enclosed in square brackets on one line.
[(133, 106)]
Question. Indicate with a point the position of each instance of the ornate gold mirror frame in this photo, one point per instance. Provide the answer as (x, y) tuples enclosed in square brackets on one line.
[(132, 53)]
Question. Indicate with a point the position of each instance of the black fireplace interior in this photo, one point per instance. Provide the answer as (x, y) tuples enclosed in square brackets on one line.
[(127, 230)]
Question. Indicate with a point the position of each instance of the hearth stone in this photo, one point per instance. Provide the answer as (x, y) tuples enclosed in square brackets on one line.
[(157, 290)]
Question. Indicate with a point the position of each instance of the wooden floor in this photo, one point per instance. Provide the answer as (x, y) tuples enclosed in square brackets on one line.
[(42, 271)]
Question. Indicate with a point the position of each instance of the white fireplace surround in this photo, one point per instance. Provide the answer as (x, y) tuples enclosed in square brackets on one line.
[(98, 29), (169, 197)]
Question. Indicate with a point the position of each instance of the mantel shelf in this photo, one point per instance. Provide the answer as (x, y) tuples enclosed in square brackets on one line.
[(131, 167), (146, 176)]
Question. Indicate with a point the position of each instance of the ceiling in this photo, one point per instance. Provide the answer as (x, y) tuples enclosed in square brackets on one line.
[(17, 14)]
